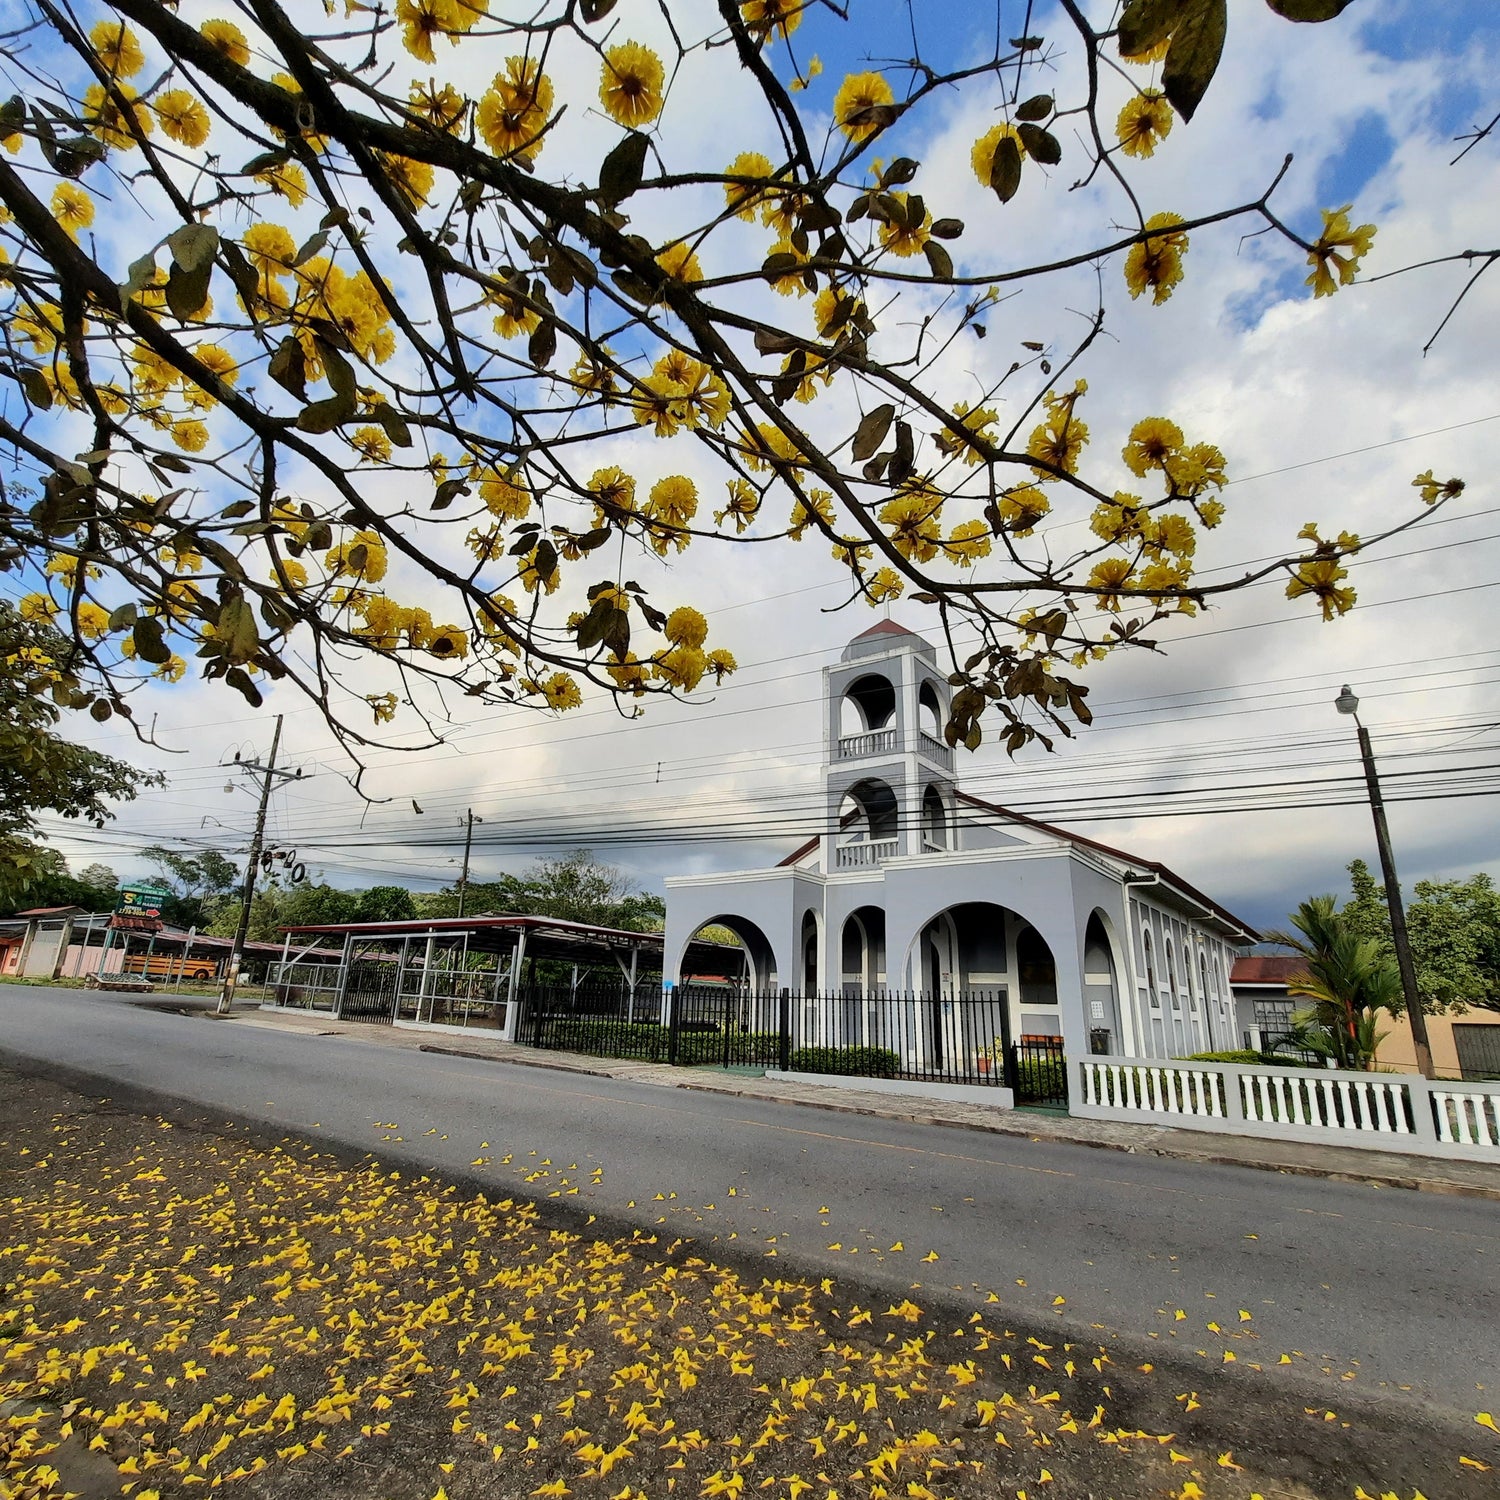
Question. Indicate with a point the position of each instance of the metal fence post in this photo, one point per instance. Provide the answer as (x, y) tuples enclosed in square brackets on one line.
[(784, 1031), (672, 1025)]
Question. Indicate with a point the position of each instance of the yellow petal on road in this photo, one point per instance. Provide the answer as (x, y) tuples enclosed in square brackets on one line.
[(1486, 1420)]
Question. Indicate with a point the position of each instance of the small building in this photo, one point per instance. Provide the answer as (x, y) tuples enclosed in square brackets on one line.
[(480, 971), (914, 886), (1464, 1044)]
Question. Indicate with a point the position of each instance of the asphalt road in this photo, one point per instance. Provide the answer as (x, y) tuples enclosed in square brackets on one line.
[(1337, 1291)]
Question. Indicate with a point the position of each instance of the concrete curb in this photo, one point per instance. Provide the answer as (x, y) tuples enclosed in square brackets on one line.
[(1179, 1152)]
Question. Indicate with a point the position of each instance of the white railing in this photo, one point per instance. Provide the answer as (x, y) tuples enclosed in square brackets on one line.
[(1383, 1111), (877, 742), (934, 749), (857, 856)]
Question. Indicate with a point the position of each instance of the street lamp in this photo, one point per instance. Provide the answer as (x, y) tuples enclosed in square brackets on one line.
[(1347, 703)]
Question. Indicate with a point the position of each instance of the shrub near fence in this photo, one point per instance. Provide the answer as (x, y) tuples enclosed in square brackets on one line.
[(848, 1062)]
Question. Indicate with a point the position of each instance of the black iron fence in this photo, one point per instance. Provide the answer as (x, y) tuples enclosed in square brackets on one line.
[(943, 1036)]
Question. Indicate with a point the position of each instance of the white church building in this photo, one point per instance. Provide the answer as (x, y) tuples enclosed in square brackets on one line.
[(913, 885)]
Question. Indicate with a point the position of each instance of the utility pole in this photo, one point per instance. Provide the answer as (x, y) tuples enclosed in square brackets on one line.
[(1347, 703), (268, 775), (463, 879)]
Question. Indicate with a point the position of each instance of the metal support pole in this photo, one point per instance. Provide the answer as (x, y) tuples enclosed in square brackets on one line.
[(1399, 938), (247, 894), (463, 879)]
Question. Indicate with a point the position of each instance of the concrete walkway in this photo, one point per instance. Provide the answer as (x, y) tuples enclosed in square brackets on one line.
[(1386, 1169)]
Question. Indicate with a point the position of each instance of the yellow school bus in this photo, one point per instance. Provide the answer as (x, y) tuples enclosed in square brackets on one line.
[(170, 965)]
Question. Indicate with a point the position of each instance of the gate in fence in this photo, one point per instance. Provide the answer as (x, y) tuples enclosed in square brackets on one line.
[(937, 1037), (1038, 1071), (369, 992)]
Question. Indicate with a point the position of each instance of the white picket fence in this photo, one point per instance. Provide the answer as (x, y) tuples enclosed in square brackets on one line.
[(1382, 1111)]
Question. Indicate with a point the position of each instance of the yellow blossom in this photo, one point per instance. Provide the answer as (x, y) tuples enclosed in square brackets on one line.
[(287, 180), (117, 48), (1337, 252), (1432, 490), (680, 263), (863, 104), (1109, 575), (560, 691), (886, 585), (1321, 576), (1021, 508), (184, 117), (683, 667), (743, 504), (105, 119), (1155, 263), (913, 519), (740, 199), (1144, 123), (227, 38), (505, 495), (1153, 441), (968, 542), (767, 18), (630, 87), (1059, 440), (190, 435), (515, 108), (371, 443), (72, 207), (685, 627)]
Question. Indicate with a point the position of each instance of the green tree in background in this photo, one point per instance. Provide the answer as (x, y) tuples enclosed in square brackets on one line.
[(576, 887), (1455, 935), (1349, 979), (200, 884), (40, 772), (385, 903)]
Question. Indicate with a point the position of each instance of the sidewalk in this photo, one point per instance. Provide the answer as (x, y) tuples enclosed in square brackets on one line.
[(1384, 1169)]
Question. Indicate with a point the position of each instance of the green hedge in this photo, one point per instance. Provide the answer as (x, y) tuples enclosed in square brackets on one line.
[(1248, 1058), (862, 1062), (648, 1042)]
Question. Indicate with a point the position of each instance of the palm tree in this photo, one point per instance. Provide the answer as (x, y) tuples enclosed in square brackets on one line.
[(1349, 979)]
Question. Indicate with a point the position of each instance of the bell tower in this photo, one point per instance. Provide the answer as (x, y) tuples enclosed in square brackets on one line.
[(889, 778)]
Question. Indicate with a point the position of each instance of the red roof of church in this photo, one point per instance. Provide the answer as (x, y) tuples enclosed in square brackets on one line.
[(884, 627), (1267, 968)]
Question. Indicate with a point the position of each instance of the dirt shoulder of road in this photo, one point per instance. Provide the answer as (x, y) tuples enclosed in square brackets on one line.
[(1381, 1169), (188, 1303)]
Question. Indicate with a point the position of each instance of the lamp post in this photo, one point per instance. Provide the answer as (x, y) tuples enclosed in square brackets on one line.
[(1347, 703)]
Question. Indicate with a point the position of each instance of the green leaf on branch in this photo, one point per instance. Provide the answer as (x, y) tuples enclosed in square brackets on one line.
[(1144, 23), (621, 173), (1309, 10), (1041, 145), (288, 367), (396, 428), (38, 392), (1005, 170), (193, 246), (324, 416), (939, 260), (1193, 56), (870, 433), (187, 291), (150, 646), (235, 631), (1038, 107)]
